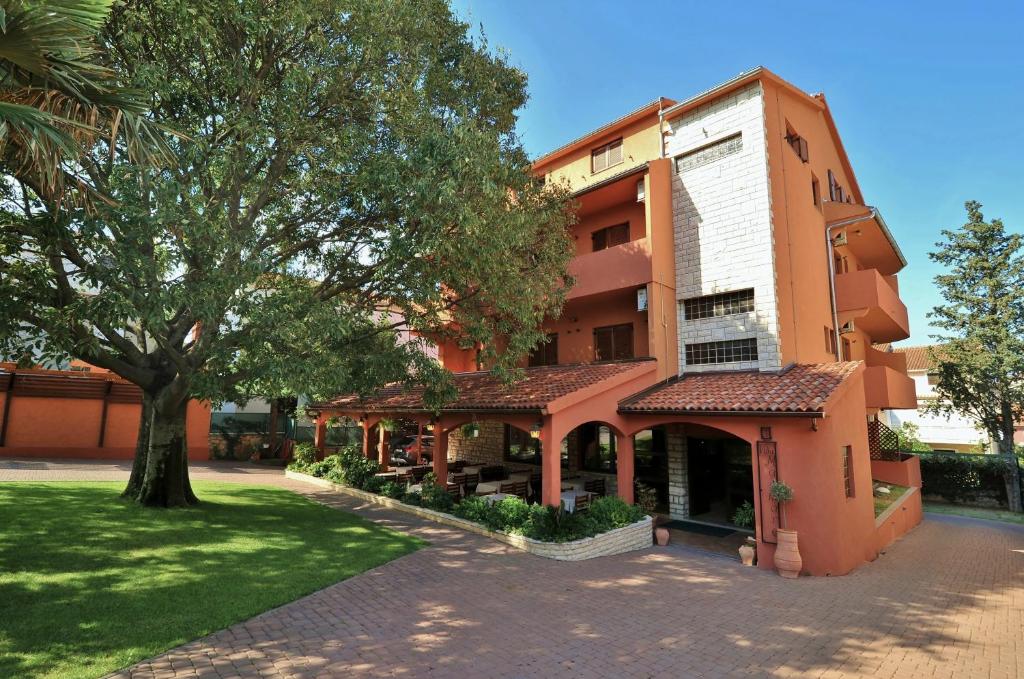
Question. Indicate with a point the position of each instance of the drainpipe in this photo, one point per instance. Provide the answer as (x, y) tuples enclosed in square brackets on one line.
[(832, 273)]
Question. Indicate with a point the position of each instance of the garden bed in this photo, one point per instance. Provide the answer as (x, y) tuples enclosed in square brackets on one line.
[(636, 535)]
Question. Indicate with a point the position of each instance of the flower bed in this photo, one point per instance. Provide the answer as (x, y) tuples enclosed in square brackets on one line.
[(609, 527)]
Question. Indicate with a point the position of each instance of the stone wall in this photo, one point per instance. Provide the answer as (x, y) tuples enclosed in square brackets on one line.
[(678, 472), (237, 447), (486, 448), (722, 223)]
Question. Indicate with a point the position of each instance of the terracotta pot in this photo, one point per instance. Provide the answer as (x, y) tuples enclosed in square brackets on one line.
[(661, 536), (787, 555), (747, 553)]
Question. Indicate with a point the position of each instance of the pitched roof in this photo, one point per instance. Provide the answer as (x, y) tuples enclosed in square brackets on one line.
[(484, 392), (800, 389), (919, 358)]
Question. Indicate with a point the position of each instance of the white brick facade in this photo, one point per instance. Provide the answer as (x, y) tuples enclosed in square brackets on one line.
[(723, 228)]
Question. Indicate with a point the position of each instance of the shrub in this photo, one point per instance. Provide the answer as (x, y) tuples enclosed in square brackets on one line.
[(324, 467), (744, 515), (392, 489), (646, 498), (965, 478), (508, 515), (374, 484), (434, 495), (612, 512), (354, 468), (474, 509), (305, 455), (554, 524), (414, 499), (780, 492)]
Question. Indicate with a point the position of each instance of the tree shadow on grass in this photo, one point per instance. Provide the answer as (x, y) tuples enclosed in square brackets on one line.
[(90, 583)]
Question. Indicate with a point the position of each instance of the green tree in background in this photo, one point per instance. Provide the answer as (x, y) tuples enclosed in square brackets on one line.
[(343, 171), (909, 436), (981, 365)]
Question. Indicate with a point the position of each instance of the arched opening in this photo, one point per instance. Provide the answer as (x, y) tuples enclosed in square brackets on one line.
[(719, 478)]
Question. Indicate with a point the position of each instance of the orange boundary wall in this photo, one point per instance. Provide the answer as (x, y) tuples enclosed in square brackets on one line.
[(902, 516), (43, 422)]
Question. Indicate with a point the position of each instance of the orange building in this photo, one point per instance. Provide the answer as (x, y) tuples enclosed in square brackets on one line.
[(83, 413), (731, 282)]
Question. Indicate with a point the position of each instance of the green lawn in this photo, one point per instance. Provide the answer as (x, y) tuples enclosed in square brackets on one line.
[(882, 503), (975, 512), (90, 583)]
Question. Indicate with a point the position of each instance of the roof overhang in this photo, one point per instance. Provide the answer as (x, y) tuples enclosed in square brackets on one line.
[(875, 236)]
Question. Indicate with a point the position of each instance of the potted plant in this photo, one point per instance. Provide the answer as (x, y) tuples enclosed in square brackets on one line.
[(647, 500), (787, 553), (471, 430), (743, 517), (748, 551)]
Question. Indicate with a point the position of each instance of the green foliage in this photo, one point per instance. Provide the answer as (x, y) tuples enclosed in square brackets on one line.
[(325, 468), (414, 499), (355, 468), (962, 478), (908, 434), (614, 512), (981, 362), (434, 495), (375, 484), (304, 455), (392, 490), (333, 160), (508, 515), (473, 508), (780, 492), (744, 515)]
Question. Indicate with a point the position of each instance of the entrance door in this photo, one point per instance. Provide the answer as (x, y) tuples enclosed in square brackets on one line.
[(720, 478), (651, 463)]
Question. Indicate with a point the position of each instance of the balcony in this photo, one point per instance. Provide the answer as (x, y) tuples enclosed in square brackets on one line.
[(622, 266), (867, 299), (886, 384)]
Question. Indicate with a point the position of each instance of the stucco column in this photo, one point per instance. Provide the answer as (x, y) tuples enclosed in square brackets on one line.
[(440, 462), (551, 457), (624, 461), (320, 435), (382, 449), (367, 448)]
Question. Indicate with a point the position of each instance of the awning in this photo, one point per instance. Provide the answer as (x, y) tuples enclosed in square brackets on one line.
[(800, 390)]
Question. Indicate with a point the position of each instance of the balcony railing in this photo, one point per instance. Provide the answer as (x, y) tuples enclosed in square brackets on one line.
[(622, 266), (867, 299)]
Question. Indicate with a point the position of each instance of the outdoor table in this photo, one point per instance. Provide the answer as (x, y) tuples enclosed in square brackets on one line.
[(472, 469), (574, 484), (415, 488), (488, 487), (569, 499), (387, 474)]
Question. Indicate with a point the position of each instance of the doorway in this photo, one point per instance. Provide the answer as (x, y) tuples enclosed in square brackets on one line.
[(720, 479)]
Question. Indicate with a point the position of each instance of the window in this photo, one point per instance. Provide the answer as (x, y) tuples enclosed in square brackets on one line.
[(546, 353), (842, 265), (610, 236), (797, 143), (830, 341), (815, 192), (598, 449), (847, 349), (722, 304), (606, 156), (613, 342), (848, 470), (835, 191), (710, 153), (729, 351), (520, 446)]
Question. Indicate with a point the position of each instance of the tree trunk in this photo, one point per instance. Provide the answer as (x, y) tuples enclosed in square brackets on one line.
[(141, 449), (163, 454), (1006, 449)]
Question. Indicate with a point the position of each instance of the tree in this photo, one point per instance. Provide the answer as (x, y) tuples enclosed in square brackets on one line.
[(981, 365), (344, 169), (58, 100), (909, 437)]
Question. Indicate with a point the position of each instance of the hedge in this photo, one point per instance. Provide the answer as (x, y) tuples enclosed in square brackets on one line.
[(965, 478)]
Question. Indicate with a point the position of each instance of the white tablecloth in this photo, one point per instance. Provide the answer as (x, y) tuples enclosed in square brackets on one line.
[(472, 469), (487, 487), (496, 497), (569, 499), (576, 484)]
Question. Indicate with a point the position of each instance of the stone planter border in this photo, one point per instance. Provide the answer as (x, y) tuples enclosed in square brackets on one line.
[(616, 541)]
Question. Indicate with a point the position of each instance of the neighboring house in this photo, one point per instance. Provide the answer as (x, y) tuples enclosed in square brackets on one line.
[(954, 432), (700, 351)]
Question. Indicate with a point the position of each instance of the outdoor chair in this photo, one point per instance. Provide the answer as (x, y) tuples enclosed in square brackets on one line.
[(595, 486), (405, 479), (419, 472), (459, 480), (471, 481), (455, 490), (517, 488), (582, 503), (456, 466), (492, 473)]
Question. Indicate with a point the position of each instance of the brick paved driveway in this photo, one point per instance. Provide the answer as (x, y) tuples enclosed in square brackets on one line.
[(946, 601)]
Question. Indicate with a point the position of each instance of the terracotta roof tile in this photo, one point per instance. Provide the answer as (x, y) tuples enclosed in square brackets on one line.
[(799, 389), (919, 358), (482, 391)]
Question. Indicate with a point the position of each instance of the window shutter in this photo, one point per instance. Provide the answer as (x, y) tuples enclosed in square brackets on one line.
[(623, 340), (600, 239), (598, 160), (602, 344), (614, 153), (803, 150)]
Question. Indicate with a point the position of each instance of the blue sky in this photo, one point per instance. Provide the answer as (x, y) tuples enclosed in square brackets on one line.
[(928, 97)]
